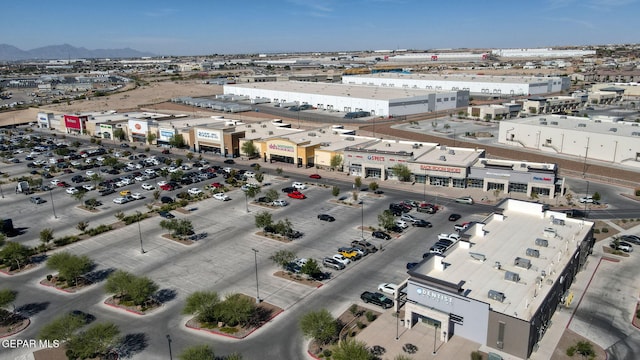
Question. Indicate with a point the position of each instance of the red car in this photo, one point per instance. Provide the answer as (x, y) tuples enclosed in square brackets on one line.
[(296, 195), (217, 185), (62, 184), (315, 176), (166, 187), (166, 151)]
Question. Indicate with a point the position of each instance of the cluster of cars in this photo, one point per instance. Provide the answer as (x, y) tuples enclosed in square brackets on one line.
[(445, 241), (380, 298), (347, 254), (624, 242)]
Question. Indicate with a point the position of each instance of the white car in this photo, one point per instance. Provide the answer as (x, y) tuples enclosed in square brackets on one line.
[(54, 182), (452, 237), (136, 196), (402, 224), (120, 200), (221, 196), (147, 186), (149, 171), (249, 174), (90, 172), (88, 187), (388, 288), (194, 191), (279, 203), (162, 182), (72, 191), (299, 186), (341, 259), (141, 178), (586, 199)]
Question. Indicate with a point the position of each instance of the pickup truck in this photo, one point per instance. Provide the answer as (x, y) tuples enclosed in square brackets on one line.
[(452, 237), (461, 227), (376, 298)]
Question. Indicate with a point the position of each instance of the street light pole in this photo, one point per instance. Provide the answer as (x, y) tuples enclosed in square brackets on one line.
[(139, 216), (246, 201), (435, 334), (52, 206), (362, 222), (397, 325), (255, 259), (424, 187), (169, 341), (586, 203)]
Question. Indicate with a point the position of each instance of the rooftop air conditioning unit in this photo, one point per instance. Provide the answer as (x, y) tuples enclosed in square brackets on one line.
[(533, 253), (542, 242), (511, 276), (522, 263), (452, 152), (496, 295), (443, 158)]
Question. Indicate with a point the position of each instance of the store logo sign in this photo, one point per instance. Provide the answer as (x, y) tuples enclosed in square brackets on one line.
[(209, 135), (281, 147)]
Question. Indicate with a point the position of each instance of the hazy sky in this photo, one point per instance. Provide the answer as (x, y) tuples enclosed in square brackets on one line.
[(190, 27)]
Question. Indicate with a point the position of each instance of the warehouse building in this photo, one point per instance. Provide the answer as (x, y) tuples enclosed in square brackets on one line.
[(378, 101), (607, 139), (501, 283), (477, 85)]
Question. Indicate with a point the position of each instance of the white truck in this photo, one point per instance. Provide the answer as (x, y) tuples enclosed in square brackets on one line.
[(452, 237)]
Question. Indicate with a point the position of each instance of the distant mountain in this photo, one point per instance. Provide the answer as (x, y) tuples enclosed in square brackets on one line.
[(65, 51)]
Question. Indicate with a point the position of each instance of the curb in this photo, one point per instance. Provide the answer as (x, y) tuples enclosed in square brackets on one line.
[(125, 309), (313, 356), (17, 331), (56, 288), (231, 336)]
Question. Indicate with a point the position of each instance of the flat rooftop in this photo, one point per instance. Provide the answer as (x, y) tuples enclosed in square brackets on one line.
[(459, 78), (501, 239), (587, 125), (450, 156), (330, 89)]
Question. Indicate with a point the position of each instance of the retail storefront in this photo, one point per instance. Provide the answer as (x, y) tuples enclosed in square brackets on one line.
[(75, 124), (138, 130), (439, 175), (105, 131), (44, 120), (507, 178), (165, 135), (210, 141), (375, 164)]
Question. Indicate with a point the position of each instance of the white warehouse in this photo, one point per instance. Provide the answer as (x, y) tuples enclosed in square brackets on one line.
[(486, 85), (598, 139), (379, 101)]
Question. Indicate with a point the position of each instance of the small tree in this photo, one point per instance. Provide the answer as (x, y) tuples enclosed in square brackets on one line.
[(62, 328), (402, 172), (259, 177), (197, 352), (128, 287), (335, 191), (46, 235), (7, 297), (283, 257), (151, 137), (357, 181), (69, 266), (177, 141), (352, 350), (202, 304), (249, 148), (584, 348), (95, 342), (263, 218), (272, 194), (311, 268), (386, 219), (237, 310), (596, 196), (14, 253), (335, 162), (373, 186), (189, 156), (82, 226), (279, 171), (319, 325)]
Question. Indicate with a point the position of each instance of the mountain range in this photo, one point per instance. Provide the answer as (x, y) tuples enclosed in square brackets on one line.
[(64, 52)]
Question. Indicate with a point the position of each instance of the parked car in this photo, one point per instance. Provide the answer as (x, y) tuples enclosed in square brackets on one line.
[(221, 196), (348, 253), (72, 191), (633, 239), (229, 161), (427, 208), (421, 223), (586, 199), (194, 191), (341, 259), (125, 192), (288, 189), (381, 235), (408, 218), (411, 265), (37, 200), (326, 217), (92, 202), (166, 214), (106, 191), (364, 245), (465, 200), (315, 176), (377, 299), (296, 195), (622, 246), (445, 236), (166, 200), (298, 186), (332, 263), (147, 186), (120, 200), (454, 217), (461, 227), (388, 288), (279, 202), (402, 224), (136, 196)]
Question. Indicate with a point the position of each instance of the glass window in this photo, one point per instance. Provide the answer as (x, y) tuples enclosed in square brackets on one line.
[(475, 183), (459, 183)]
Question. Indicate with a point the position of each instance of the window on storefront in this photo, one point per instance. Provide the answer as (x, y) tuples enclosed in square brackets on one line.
[(475, 183), (420, 179), (459, 183), (541, 191), (438, 181), (355, 169), (518, 188), (495, 186), (373, 173)]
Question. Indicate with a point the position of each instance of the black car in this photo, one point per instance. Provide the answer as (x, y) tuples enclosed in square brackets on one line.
[(326, 217), (376, 298), (166, 214), (454, 217), (395, 228), (294, 234), (107, 191), (421, 223), (77, 178), (381, 235), (288, 189), (631, 239), (332, 263), (411, 265), (263, 199), (166, 200), (270, 229), (229, 161)]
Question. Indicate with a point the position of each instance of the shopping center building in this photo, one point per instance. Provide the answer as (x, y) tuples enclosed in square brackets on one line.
[(501, 283)]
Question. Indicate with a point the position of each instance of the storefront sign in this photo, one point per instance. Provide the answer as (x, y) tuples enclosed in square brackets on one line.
[(440, 168), (166, 134), (538, 178), (375, 158), (138, 127), (435, 296), (281, 147), (104, 128), (72, 122), (498, 174), (207, 135)]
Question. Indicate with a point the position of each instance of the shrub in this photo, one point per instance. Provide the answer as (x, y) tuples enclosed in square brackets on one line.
[(596, 231), (605, 230), (638, 313), (624, 221), (327, 353), (476, 355), (229, 330), (638, 192), (353, 309), (49, 277), (361, 325), (65, 240), (98, 230), (370, 316)]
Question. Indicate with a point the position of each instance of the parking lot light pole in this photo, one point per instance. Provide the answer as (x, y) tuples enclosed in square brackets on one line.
[(52, 206), (362, 222), (435, 334), (255, 259), (1, 192), (397, 325), (169, 341)]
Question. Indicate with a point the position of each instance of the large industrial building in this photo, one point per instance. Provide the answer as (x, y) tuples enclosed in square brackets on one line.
[(485, 85), (541, 53), (605, 139), (377, 100), (501, 283)]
